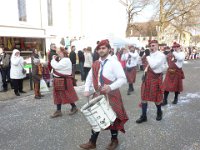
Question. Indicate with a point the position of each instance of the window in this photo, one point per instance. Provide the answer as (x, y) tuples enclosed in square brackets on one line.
[(175, 37), (22, 10), (50, 14), (131, 32)]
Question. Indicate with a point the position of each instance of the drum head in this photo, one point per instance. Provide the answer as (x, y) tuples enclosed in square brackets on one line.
[(93, 102)]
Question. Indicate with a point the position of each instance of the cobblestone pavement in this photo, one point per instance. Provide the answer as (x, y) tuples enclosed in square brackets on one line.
[(25, 122)]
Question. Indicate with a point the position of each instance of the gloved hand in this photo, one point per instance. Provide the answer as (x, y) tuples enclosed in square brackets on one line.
[(147, 52)]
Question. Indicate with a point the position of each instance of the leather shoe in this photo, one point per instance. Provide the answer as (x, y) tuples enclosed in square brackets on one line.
[(56, 114), (141, 119), (73, 111), (113, 144), (88, 146), (22, 91), (41, 95), (37, 97), (17, 94), (175, 101)]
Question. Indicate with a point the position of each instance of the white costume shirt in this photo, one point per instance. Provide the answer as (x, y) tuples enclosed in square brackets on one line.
[(64, 66), (157, 61), (180, 57), (112, 70), (133, 59), (88, 60)]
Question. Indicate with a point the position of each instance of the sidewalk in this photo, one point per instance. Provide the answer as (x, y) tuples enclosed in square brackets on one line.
[(26, 83)]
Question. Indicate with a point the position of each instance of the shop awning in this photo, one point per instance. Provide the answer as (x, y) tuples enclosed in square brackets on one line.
[(6, 31)]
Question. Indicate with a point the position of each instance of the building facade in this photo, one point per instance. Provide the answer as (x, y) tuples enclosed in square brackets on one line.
[(149, 30)]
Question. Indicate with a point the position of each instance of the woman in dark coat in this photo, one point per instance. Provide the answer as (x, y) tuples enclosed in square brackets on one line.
[(36, 73)]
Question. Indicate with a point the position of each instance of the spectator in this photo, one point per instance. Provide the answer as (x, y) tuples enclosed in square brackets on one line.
[(36, 73), (88, 61), (95, 55), (51, 53), (16, 73), (72, 57), (5, 69), (81, 58)]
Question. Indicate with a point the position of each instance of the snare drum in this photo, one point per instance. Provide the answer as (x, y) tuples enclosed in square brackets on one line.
[(99, 113)]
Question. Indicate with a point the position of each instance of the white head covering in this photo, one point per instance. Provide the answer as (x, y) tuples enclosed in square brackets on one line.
[(14, 52)]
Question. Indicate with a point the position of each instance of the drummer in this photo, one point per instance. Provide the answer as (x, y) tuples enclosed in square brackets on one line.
[(107, 76)]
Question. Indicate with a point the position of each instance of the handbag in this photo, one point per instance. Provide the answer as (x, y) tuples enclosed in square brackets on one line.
[(23, 70), (43, 86), (66, 76)]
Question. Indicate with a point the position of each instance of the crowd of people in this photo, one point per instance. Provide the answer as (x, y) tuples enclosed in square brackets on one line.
[(106, 71)]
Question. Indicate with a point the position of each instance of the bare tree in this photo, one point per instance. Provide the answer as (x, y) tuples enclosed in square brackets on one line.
[(178, 13), (133, 7)]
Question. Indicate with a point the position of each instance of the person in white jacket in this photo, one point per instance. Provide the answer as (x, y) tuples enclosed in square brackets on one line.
[(131, 57), (16, 74), (88, 61)]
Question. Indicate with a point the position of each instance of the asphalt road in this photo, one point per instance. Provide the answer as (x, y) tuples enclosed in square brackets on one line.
[(25, 122)]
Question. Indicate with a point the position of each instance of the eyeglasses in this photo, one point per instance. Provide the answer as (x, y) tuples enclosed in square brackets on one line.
[(102, 48)]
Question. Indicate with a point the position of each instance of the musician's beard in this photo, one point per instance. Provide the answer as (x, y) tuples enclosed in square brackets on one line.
[(103, 55)]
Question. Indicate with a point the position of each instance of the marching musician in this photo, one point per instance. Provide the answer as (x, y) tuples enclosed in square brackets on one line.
[(131, 59), (153, 61), (63, 89), (174, 77), (107, 76)]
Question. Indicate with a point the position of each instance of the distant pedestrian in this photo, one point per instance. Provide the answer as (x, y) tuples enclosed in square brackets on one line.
[(88, 60), (50, 54), (95, 54), (174, 77), (72, 56), (81, 59), (5, 69), (36, 73), (131, 57)]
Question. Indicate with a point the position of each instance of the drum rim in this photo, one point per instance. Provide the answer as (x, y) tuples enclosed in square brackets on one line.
[(94, 100)]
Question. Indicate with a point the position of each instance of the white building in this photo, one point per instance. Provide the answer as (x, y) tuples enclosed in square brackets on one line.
[(27, 24)]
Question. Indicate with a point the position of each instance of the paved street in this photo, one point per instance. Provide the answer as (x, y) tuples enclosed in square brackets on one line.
[(25, 122)]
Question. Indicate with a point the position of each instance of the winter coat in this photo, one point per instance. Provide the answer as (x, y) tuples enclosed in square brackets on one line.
[(17, 64), (4, 60), (36, 68)]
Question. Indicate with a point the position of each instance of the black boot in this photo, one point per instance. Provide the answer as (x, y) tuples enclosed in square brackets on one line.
[(175, 98), (143, 117), (131, 87), (159, 113), (128, 92), (166, 93)]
